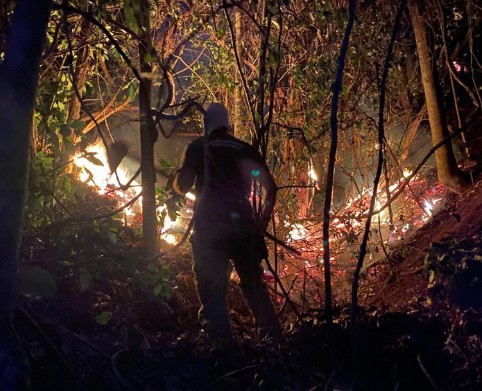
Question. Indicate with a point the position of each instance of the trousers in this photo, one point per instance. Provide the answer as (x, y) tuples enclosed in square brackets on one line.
[(214, 246)]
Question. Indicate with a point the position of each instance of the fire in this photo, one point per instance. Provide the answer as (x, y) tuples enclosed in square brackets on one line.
[(190, 196), (95, 171), (297, 232), (312, 174), (303, 272), (167, 227), (428, 206)]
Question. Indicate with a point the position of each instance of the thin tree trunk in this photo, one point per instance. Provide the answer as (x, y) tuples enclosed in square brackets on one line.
[(18, 85), (238, 89), (448, 173), (260, 93), (148, 135), (337, 88)]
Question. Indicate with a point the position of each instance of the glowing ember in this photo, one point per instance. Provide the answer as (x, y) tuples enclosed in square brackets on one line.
[(428, 206), (312, 174), (297, 232), (395, 219)]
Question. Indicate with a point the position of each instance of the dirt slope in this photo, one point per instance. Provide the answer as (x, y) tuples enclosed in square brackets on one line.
[(405, 283)]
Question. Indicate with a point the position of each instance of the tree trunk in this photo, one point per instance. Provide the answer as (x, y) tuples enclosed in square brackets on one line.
[(148, 134), (18, 85), (448, 173), (238, 89)]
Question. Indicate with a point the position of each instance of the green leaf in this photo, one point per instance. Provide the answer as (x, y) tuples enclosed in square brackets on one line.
[(132, 92), (158, 288), (149, 57), (104, 317), (65, 130), (113, 237), (152, 268), (68, 186), (77, 124)]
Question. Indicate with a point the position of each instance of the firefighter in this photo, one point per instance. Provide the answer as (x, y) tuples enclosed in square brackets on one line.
[(222, 169)]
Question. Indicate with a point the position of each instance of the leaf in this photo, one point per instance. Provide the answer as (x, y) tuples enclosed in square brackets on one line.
[(158, 288), (34, 281), (132, 92), (152, 268), (149, 277), (113, 237), (104, 317), (149, 58), (427, 259), (130, 10), (85, 281), (94, 160), (441, 257), (68, 186), (64, 130), (77, 124)]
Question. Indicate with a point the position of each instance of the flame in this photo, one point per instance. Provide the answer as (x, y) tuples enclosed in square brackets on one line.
[(169, 238), (167, 227), (99, 175), (297, 232), (190, 196), (312, 174), (428, 207), (95, 172)]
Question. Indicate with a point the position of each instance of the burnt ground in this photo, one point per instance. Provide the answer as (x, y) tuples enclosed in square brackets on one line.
[(110, 332), (406, 281)]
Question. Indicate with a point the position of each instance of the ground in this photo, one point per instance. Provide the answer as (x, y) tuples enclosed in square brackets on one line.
[(406, 281), (412, 333)]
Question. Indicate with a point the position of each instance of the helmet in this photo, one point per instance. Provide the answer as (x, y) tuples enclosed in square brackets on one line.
[(216, 117)]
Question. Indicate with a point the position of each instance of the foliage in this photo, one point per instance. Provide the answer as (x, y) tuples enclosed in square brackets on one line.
[(455, 269), (100, 259), (84, 250)]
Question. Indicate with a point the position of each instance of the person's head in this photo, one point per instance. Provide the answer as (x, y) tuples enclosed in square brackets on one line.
[(216, 117)]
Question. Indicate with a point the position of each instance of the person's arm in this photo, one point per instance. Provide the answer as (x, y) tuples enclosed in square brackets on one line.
[(260, 172), (268, 183), (185, 176)]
